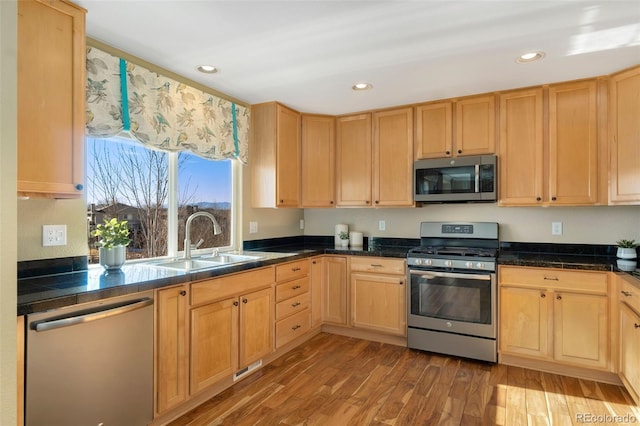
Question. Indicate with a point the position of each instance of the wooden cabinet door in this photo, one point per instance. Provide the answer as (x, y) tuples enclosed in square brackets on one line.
[(288, 157), (524, 322), (256, 326), (624, 137), (317, 273), (214, 343), (521, 148), (172, 346), (573, 144), (630, 350), (353, 160), (51, 98), (475, 126), (580, 327), (318, 161), (434, 130), (334, 291), (378, 303), (393, 158)]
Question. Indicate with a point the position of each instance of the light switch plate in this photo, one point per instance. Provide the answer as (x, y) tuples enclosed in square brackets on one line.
[(54, 235), (556, 228), (253, 227), (382, 225)]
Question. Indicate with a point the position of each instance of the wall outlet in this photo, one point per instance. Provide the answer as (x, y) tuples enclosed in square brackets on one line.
[(556, 228), (54, 235), (301, 223), (253, 227), (382, 225)]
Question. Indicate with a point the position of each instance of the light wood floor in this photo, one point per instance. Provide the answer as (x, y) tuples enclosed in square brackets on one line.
[(334, 380)]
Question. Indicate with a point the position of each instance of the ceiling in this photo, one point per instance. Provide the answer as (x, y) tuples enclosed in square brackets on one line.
[(307, 54)]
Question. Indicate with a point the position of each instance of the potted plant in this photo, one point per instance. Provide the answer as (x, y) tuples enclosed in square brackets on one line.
[(626, 249), (114, 238), (344, 238)]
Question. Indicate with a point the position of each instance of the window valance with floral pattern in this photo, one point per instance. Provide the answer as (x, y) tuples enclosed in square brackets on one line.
[(124, 98)]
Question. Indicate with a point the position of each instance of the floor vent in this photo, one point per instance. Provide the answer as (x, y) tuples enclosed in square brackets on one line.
[(241, 373)]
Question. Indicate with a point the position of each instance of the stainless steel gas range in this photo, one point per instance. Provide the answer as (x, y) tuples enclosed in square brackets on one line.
[(452, 296)]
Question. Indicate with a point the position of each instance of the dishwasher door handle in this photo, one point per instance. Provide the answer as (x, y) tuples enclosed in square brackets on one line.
[(110, 311)]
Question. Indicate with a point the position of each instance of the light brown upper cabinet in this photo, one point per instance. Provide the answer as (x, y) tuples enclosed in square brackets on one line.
[(548, 147), (275, 156), (51, 99), (375, 159), (474, 119), (624, 137), (318, 161)]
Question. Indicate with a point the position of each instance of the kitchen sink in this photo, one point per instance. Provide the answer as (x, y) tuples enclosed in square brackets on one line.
[(205, 262)]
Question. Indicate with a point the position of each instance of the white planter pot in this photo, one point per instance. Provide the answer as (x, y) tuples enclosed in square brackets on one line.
[(626, 253), (627, 265), (112, 258), (344, 243)]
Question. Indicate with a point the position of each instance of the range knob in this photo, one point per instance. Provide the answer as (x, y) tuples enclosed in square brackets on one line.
[(428, 262), (469, 265), (480, 265), (419, 261), (448, 263)]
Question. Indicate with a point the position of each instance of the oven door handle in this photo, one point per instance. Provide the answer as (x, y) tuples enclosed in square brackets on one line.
[(429, 275)]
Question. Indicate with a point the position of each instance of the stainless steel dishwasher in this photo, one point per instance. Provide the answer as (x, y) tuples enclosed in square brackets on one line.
[(91, 364)]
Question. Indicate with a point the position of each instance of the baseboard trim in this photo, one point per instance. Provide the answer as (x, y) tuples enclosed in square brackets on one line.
[(365, 335)]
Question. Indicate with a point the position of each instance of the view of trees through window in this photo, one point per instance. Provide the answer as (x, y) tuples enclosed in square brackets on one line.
[(131, 182)]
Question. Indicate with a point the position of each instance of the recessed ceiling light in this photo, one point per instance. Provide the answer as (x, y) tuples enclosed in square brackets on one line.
[(530, 57), (207, 69), (362, 86)]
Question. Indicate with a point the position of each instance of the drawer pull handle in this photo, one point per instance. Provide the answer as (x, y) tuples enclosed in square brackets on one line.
[(295, 269), (295, 287), (376, 265), (626, 293), (295, 327), (293, 305), (551, 278), (543, 295)]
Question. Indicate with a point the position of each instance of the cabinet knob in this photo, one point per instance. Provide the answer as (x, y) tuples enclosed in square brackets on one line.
[(553, 198), (281, 201), (558, 297), (331, 202), (183, 293), (543, 295), (459, 151), (79, 187), (626, 293), (377, 202), (448, 152), (401, 283), (366, 202), (245, 301), (538, 198), (235, 303), (636, 325)]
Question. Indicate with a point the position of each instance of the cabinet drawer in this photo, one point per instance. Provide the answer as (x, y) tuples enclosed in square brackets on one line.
[(231, 285), (292, 288), (378, 264), (292, 270), (292, 327), (630, 293), (554, 279), (292, 305)]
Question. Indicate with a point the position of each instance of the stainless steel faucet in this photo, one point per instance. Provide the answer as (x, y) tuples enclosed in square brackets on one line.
[(187, 231)]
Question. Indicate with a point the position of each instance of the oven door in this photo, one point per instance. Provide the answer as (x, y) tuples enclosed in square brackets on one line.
[(456, 302)]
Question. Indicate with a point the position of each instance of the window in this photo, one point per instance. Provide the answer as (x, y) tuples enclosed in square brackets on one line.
[(156, 191)]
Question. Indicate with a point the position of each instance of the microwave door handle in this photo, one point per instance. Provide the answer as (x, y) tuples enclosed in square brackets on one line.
[(477, 178)]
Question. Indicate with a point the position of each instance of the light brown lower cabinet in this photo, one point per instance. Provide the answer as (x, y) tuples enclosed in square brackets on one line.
[(334, 291), (555, 315), (629, 367), (378, 303), (206, 331)]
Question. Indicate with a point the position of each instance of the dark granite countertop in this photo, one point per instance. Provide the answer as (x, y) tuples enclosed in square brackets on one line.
[(39, 291)]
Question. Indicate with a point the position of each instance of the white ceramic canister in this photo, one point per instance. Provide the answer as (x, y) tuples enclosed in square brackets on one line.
[(355, 239)]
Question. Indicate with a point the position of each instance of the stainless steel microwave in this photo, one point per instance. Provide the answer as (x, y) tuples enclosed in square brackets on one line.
[(461, 179)]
